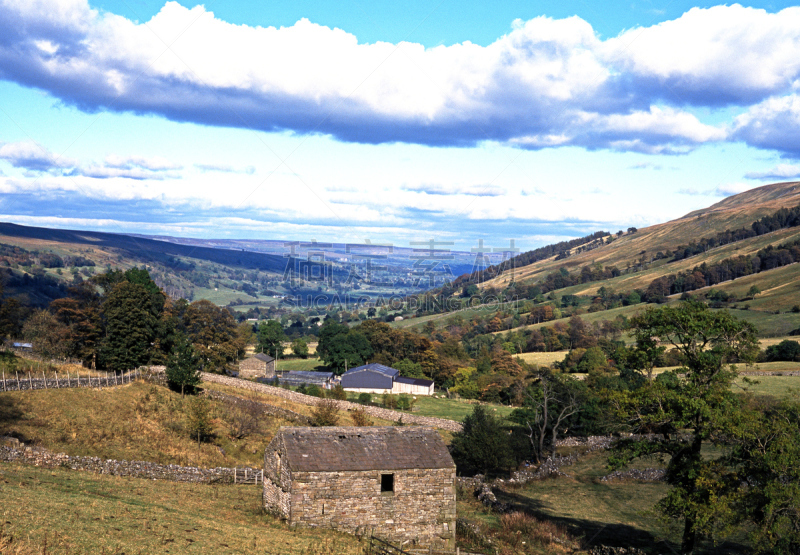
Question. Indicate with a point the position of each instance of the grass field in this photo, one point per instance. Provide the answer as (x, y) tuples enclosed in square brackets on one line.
[(62, 512), (781, 387), (139, 421), (605, 513), (453, 409), (301, 364), (543, 359)]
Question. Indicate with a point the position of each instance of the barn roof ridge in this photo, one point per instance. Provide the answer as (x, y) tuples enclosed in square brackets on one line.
[(339, 448)]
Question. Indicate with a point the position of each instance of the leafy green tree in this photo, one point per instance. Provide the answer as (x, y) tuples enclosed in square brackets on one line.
[(409, 369), (767, 459), (693, 407), (81, 312), (131, 321), (300, 347), (10, 316), (212, 331), (183, 371), (482, 445), (787, 350), (342, 348), (270, 337)]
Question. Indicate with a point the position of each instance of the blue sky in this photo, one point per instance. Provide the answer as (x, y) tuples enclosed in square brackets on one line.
[(392, 121)]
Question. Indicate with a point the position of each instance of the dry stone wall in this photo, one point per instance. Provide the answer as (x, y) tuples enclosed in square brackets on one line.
[(136, 469), (265, 408), (376, 412)]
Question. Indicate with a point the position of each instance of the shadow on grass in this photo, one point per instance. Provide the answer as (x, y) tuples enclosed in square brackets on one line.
[(595, 533), (10, 414)]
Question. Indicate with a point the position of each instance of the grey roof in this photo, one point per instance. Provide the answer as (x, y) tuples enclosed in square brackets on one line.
[(331, 449), (263, 357), (310, 374), (414, 381), (374, 367)]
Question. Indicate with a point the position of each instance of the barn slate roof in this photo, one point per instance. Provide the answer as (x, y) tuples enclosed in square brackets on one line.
[(414, 381), (331, 449), (263, 357), (374, 367)]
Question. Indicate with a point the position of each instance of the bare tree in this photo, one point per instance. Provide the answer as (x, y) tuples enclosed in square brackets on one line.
[(549, 403)]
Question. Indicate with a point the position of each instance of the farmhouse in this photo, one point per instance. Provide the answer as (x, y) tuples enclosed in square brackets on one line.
[(257, 366), (397, 483), (377, 378)]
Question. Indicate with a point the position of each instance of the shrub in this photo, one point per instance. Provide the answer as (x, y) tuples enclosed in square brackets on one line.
[(314, 391), (325, 413), (390, 401), (199, 419), (404, 401), (338, 393), (365, 398), (360, 417)]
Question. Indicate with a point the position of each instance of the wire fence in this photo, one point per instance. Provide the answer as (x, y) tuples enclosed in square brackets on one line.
[(15, 381)]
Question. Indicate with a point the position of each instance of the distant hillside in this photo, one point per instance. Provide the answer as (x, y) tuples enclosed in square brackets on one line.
[(642, 248)]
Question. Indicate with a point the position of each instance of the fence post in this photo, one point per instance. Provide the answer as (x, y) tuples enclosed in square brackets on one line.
[(18, 387), (115, 379), (30, 381), (234, 474), (57, 386), (44, 379), (4, 380)]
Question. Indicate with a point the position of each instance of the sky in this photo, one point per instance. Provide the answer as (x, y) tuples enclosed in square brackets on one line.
[(391, 122)]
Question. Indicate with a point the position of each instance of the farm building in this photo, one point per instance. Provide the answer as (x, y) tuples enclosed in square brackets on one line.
[(307, 377), (377, 378), (397, 483), (257, 366)]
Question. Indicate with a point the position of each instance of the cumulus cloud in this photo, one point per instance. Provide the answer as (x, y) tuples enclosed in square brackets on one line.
[(546, 83), (31, 156), (772, 124), (781, 171), (36, 159), (730, 189)]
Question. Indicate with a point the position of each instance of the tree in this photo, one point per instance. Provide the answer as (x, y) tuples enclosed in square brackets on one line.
[(753, 291), (50, 338), (212, 331), (198, 422), (183, 367), (10, 316), (81, 312), (482, 446), (767, 457), (325, 413), (343, 350), (690, 407), (550, 401), (270, 337), (300, 347), (131, 321)]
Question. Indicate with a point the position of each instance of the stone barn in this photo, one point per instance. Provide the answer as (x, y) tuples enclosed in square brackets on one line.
[(397, 483), (257, 366)]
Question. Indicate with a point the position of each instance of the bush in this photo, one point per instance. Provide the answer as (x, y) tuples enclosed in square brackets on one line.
[(365, 398), (404, 401), (338, 393), (325, 413), (314, 391), (361, 418), (199, 419), (390, 401), (482, 446)]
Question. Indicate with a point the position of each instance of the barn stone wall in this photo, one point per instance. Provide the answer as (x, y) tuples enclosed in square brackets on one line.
[(421, 510), (254, 368)]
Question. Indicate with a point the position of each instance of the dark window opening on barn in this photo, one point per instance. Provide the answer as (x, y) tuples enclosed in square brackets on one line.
[(387, 483)]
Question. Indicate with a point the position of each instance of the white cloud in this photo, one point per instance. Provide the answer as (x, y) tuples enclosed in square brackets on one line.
[(547, 83), (772, 124), (781, 171), (153, 164), (32, 156), (729, 189)]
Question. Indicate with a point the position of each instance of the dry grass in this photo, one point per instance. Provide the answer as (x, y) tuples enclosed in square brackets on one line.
[(543, 359), (139, 421), (62, 512)]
